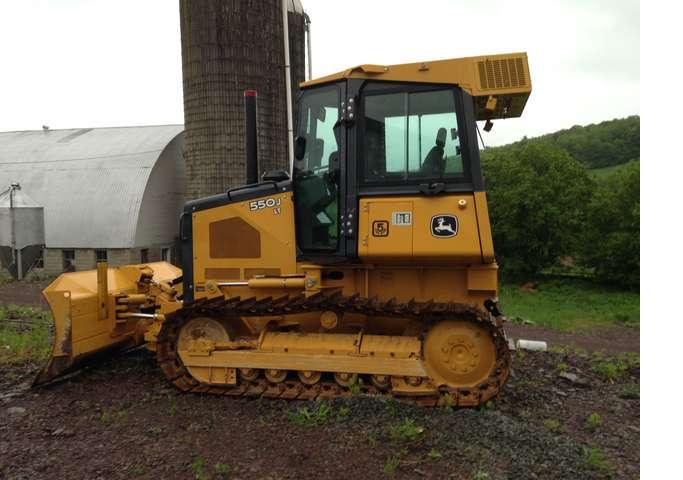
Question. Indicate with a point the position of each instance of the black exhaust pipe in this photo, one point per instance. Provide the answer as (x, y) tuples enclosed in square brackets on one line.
[(250, 127)]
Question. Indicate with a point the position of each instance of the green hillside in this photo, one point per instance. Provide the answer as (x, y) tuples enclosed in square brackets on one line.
[(599, 145)]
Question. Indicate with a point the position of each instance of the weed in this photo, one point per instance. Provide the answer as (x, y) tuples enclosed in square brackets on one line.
[(222, 470), (631, 391), (342, 413), (406, 431), (615, 368), (392, 407), (106, 417), (392, 464), (311, 417), (197, 467), (154, 430), (595, 459), (568, 350), (481, 475), (113, 415), (24, 335), (356, 385), (434, 454), (593, 421), (172, 405), (552, 425), (137, 470), (373, 440), (562, 367), (447, 401)]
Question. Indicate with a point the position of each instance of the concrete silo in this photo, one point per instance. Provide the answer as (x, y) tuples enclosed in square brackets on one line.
[(229, 46)]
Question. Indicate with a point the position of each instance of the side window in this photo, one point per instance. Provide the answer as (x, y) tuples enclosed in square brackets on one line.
[(411, 136), (316, 175)]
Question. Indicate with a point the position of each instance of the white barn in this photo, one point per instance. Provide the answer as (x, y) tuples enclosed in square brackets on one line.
[(108, 193)]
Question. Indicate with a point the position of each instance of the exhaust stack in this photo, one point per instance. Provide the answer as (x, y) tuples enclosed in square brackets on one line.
[(250, 137)]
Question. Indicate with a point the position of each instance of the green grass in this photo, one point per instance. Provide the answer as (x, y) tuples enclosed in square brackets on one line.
[(571, 305), (630, 391), (312, 417), (596, 460), (599, 173), (406, 431), (24, 335), (617, 367)]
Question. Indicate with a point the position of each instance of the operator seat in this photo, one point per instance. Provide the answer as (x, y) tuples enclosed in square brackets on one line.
[(434, 162)]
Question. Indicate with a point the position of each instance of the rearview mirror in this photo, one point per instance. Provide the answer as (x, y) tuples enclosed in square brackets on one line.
[(299, 148)]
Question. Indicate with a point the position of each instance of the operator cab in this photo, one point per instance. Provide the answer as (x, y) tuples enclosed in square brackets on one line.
[(361, 138)]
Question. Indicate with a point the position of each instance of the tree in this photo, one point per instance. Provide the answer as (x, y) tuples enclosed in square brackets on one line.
[(537, 198), (611, 242)]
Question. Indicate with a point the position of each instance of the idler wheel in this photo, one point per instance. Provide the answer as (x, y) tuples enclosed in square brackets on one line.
[(459, 353)]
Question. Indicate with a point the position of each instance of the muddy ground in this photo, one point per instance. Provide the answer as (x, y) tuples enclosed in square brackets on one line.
[(120, 419)]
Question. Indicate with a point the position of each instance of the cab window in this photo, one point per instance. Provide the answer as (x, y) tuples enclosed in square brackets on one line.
[(411, 136), (316, 175)]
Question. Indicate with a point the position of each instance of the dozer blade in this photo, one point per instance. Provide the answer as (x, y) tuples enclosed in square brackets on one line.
[(84, 310)]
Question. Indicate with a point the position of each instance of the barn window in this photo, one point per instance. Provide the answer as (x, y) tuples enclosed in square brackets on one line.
[(69, 260)]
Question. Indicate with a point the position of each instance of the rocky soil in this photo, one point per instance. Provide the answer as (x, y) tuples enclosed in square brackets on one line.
[(120, 419)]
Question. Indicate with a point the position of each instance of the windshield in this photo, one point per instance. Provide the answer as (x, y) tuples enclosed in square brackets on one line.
[(316, 175), (411, 136)]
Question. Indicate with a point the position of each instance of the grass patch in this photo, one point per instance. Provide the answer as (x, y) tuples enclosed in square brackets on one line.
[(392, 464), (596, 460), (25, 335), (594, 421), (434, 454), (615, 368), (312, 417), (222, 470), (571, 305), (197, 467), (631, 391), (553, 425), (406, 431)]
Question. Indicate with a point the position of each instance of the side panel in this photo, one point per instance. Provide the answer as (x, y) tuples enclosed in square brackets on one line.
[(484, 227), (429, 228), (244, 239)]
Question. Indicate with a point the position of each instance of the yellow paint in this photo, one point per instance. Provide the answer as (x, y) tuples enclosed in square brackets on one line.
[(464, 72), (415, 241), (278, 248)]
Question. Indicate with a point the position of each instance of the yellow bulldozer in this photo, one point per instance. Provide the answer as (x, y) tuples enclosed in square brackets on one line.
[(369, 267)]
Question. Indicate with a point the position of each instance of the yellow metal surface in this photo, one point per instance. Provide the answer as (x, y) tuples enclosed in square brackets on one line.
[(81, 328), (499, 81), (458, 354), (305, 361), (275, 227), (411, 237), (484, 225)]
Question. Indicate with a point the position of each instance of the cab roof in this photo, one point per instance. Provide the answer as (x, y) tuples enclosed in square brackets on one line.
[(504, 78)]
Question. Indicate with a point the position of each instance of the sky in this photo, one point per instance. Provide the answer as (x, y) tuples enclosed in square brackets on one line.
[(96, 63)]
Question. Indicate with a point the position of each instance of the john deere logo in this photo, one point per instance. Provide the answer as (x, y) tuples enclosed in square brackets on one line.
[(444, 226)]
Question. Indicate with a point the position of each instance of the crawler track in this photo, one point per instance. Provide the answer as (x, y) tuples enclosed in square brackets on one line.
[(427, 313)]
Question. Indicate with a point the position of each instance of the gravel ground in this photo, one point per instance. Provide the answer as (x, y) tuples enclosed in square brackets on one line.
[(120, 419)]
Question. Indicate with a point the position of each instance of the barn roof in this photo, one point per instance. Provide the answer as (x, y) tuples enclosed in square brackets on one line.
[(91, 181)]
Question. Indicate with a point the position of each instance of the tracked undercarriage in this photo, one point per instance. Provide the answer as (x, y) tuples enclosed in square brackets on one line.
[(447, 353)]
